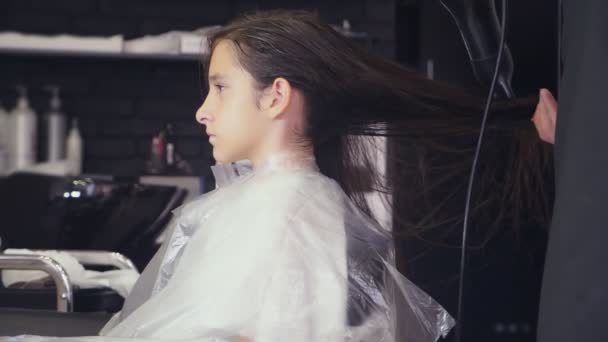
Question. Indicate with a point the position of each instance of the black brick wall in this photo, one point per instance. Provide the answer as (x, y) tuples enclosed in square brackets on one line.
[(122, 103)]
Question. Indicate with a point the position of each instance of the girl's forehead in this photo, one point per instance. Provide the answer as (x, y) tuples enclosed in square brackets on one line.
[(223, 57), (225, 64)]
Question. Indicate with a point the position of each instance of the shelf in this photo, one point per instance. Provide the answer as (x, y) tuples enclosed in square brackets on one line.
[(102, 55), (361, 37)]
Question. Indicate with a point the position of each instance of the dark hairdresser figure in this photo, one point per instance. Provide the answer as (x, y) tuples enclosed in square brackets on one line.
[(574, 299)]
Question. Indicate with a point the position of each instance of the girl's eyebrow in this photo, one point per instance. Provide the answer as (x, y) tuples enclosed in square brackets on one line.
[(216, 77)]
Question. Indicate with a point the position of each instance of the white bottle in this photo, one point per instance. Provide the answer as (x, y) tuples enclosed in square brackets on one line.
[(24, 132), (74, 149), (4, 140), (56, 127)]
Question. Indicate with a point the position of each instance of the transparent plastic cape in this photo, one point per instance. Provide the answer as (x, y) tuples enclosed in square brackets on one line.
[(279, 254)]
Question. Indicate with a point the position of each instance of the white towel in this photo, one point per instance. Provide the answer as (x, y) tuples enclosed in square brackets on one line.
[(63, 42), (172, 42)]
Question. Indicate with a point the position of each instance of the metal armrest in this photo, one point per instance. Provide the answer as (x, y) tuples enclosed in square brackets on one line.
[(65, 294), (99, 258)]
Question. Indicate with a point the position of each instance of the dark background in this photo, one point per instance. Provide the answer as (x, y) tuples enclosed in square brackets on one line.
[(503, 278)]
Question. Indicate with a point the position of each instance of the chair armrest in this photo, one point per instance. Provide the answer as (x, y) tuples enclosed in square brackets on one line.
[(99, 258), (65, 294)]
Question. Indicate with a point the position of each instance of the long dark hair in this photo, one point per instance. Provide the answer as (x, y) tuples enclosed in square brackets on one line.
[(351, 92)]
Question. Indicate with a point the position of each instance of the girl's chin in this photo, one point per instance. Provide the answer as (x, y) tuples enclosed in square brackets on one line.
[(224, 156), (219, 158)]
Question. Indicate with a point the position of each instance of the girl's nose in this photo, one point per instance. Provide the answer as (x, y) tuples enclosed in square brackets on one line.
[(202, 116)]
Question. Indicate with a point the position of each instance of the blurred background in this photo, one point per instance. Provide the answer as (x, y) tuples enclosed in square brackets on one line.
[(108, 139)]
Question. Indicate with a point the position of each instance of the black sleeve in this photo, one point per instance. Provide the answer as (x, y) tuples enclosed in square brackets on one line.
[(574, 300)]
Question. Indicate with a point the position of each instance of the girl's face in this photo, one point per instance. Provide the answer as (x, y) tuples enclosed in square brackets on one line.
[(230, 112)]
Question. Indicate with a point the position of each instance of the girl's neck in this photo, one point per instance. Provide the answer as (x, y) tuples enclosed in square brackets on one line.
[(286, 160)]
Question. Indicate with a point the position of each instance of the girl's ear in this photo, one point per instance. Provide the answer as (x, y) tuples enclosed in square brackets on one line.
[(276, 98)]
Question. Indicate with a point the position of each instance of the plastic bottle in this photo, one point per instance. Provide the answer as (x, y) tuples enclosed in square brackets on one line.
[(74, 149), (55, 126), (157, 163), (170, 143), (24, 132)]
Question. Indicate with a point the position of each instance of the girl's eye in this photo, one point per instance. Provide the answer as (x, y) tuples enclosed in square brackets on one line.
[(219, 87)]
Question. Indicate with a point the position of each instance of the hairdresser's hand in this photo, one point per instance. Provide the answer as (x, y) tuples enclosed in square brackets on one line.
[(545, 116)]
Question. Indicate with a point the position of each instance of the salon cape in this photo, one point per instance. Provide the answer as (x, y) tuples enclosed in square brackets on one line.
[(279, 254)]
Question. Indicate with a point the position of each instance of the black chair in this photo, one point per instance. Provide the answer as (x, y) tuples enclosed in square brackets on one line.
[(57, 213)]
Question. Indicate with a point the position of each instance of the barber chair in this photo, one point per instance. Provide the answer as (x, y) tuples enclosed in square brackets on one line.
[(78, 311)]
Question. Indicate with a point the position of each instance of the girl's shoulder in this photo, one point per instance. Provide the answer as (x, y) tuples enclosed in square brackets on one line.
[(291, 190), (297, 183)]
